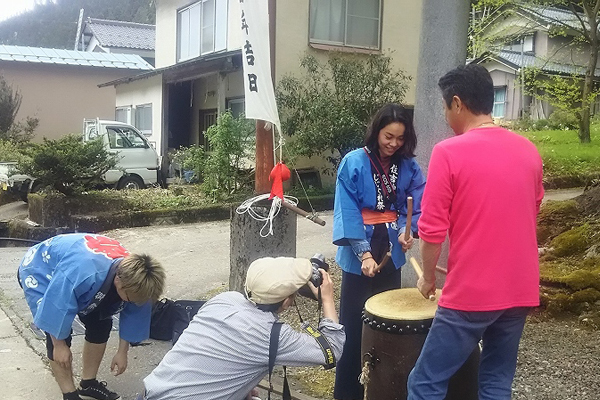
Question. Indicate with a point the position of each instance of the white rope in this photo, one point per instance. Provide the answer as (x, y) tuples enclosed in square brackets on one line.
[(246, 207)]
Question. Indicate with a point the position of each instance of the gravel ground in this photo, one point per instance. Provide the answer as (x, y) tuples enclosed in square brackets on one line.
[(558, 360)]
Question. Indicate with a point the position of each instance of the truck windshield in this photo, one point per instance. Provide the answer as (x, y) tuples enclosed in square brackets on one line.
[(124, 138)]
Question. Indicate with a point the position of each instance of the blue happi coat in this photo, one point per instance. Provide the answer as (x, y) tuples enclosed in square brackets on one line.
[(61, 276), (355, 189)]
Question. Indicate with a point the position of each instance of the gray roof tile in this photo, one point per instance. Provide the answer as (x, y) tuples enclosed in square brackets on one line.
[(72, 57), (122, 34), (519, 60)]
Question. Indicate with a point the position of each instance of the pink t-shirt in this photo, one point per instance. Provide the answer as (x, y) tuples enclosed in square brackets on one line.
[(484, 189)]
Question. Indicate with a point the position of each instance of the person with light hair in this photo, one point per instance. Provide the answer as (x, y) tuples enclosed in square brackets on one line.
[(225, 351), (93, 277)]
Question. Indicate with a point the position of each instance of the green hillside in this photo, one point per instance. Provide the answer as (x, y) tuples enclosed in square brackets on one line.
[(53, 23)]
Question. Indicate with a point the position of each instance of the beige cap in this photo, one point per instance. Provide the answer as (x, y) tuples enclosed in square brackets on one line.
[(271, 280)]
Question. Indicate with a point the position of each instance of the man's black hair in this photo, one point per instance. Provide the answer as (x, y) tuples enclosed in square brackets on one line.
[(386, 115), (473, 85)]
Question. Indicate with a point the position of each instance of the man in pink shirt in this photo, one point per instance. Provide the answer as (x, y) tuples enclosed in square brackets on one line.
[(484, 190)]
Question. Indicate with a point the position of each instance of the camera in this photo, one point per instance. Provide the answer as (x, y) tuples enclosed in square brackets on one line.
[(318, 261), (316, 278)]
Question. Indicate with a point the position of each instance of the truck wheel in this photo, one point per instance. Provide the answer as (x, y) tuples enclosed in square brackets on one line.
[(131, 182)]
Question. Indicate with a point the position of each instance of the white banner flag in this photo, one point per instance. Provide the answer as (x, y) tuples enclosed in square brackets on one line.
[(256, 56)]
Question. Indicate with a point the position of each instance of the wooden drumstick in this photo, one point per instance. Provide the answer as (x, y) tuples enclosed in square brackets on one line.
[(409, 210), (386, 258), (419, 272)]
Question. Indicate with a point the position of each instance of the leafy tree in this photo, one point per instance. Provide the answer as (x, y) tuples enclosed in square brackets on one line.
[(10, 102), (327, 109), (483, 12), (69, 165), (231, 143), (568, 92)]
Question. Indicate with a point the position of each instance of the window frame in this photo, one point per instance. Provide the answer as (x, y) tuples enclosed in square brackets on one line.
[(128, 113), (219, 30), (138, 108), (235, 100), (345, 44), (500, 102)]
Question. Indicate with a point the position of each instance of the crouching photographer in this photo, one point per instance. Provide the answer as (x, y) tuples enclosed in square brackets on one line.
[(234, 340)]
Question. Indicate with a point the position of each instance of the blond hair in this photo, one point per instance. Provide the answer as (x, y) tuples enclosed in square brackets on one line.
[(142, 277)]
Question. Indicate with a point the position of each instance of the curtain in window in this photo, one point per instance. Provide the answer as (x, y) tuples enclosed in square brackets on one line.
[(363, 23), (499, 101), (327, 20), (208, 26)]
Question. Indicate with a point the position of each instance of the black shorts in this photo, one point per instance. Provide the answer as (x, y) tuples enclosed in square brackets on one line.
[(97, 331)]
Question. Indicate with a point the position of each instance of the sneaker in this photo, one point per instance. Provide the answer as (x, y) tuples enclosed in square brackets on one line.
[(97, 391)]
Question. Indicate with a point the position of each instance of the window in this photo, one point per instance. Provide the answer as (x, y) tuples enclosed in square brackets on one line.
[(499, 102), (201, 29), (236, 106), (525, 44), (346, 22), (121, 137), (123, 114), (143, 118)]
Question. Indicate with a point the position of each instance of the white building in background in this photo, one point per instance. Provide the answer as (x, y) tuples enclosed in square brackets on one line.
[(199, 66)]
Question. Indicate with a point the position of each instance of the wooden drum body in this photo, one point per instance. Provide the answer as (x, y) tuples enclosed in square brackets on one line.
[(395, 325)]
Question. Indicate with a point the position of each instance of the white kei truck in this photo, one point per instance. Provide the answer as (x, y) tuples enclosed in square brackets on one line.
[(138, 162)]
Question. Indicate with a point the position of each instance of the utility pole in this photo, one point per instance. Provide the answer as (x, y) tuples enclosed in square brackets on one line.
[(79, 24)]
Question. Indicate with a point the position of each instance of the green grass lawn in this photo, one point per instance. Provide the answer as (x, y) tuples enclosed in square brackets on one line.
[(564, 156)]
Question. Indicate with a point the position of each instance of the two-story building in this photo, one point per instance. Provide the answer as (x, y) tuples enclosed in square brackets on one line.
[(109, 36), (199, 66), (530, 36)]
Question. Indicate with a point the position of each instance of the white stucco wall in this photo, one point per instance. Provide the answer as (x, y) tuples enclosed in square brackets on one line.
[(140, 92)]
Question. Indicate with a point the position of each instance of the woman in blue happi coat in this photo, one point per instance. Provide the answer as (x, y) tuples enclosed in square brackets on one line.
[(93, 277), (369, 220)]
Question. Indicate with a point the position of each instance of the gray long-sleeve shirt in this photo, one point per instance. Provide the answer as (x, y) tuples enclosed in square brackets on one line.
[(224, 352)]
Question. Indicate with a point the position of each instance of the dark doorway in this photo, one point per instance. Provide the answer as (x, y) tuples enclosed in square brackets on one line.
[(180, 112)]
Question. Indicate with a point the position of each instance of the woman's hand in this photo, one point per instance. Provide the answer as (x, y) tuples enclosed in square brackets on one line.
[(406, 244), (369, 267)]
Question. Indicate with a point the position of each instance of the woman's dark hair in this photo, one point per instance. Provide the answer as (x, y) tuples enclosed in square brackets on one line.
[(473, 85), (386, 115)]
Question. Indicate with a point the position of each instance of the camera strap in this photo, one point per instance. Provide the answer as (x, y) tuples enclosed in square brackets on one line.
[(273, 347), (323, 343)]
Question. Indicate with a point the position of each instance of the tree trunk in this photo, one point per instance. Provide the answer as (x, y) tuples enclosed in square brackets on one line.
[(588, 84), (584, 125)]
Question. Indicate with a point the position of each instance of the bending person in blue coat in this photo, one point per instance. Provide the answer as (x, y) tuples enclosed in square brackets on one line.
[(94, 277), (369, 220)]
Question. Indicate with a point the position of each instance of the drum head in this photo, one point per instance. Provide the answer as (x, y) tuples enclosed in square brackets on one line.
[(402, 305)]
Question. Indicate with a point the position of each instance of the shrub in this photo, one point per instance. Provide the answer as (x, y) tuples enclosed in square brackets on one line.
[(326, 110), (227, 167), (191, 158), (562, 120), (69, 165)]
